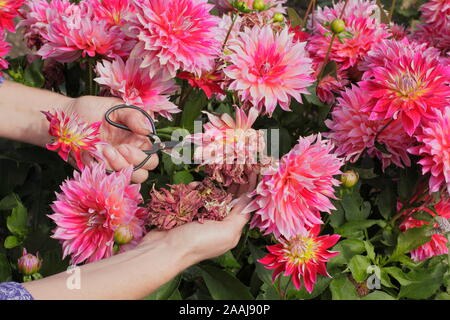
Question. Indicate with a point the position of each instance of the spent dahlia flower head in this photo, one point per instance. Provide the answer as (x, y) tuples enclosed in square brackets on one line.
[(72, 136), (347, 51), (409, 88), (438, 243), (91, 207), (229, 148), (177, 35), (301, 257), (433, 150), (216, 201), (268, 68), (288, 202), (78, 33), (136, 86), (353, 132), (9, 9)]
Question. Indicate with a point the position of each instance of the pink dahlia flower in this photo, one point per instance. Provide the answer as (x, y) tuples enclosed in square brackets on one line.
[(115, 12), (9, 9), (4, 50), (409, 88), (434, 149), (229, 148), (78, 33), (136, 86), (267, 68), (71, 135), (177, 34), (91, 207), (438, 243), (353, 132), (209, 82), (432, 36), (302, 257), (347, 52), (436, 13), (289, 202)]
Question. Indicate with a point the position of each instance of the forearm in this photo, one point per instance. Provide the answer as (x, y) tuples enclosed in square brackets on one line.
[(130, 275), (21, 108)]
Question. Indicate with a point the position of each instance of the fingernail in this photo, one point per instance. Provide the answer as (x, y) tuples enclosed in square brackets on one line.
[(110, 151), (146, 125)]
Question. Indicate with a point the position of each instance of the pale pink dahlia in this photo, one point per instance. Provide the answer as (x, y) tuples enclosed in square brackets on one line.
[(301, 257), (9, 9), (409, 88), (78, 33), (4, 50), (353, 132), (288, 202), (177, 35), (89, 209), (434, 148), (71, 135), (268, 68), (136, 86), (347, 52), (438, 243), (228, 148)]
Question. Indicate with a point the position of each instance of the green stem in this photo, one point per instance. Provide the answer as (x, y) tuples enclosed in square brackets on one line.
[(391, 11), (233, 20), (382, 129), (327, 56), (305, 18), (286, 288)]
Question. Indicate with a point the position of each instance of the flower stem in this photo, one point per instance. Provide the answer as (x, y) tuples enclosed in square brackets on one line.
[(233, 20), (391, 11), (382, 129), (305, 18), (327, 56), (286, 288)]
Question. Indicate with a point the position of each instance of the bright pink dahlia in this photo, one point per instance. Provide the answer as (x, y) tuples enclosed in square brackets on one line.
[(136, 86), (433, 36), (353, 132), (409, 88), (73, 136), (302, 257), (177, 34), (289, 202), (115, 12), (91, 207), (209, 82), (434, 149), (229, 148), (438, 243), (9, 9), (4, 50), (267, 68), (347, 52), (436, 13), (78, 33)]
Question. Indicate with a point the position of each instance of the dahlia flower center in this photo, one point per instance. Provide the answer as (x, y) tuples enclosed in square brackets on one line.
[(301, 249), (2, 3), (95, 218), (408, 86)]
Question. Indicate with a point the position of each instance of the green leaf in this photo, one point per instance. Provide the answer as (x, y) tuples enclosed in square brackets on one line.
[(410, 240), (398, 275), (182, 177), (330, 69), (294, 17), (370, 250), (354, 206), (312, 97), (166, 290), (5, 269), (264, 274), (224, 286), (319, 287), (358, 266), (193, 108), (342, 289), (353, 229), (347, 249), (9, 202), (11, 242), (382, 148), (378, 295), (386, 202), (407, 183), (227, 260), (337, 217), (33, 74), (427, 282), (17, 221)]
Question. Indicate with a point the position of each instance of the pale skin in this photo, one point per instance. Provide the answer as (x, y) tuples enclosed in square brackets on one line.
[(161, 255)]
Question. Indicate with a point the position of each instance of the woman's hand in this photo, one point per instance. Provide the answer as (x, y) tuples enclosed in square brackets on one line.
[(209, 239), (125, 148)]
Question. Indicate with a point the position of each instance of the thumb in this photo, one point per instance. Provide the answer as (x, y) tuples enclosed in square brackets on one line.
[(134, 120)]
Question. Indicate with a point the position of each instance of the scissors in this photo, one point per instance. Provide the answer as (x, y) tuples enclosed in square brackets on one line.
[(158, 145)]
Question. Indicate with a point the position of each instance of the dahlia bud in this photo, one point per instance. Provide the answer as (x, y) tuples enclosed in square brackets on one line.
[(123, 235), (241, 6), (349, 178), (337, 26), (29, 264), (278, 17), (259, 5)]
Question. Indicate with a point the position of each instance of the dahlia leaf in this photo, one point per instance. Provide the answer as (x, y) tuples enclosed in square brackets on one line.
[(11, 242), (294, 17), (358, 266), (398, 275), (5, 268), (410, 240), (353, 229), (428, 281), (17, 221), (342, 289), (166, 291), (378, 295), (264, 274), (182, 177), (193, 108), (223, 285), (347, 248)]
